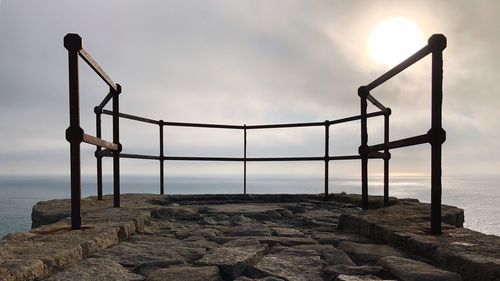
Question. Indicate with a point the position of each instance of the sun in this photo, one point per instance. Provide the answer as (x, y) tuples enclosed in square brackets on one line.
[(393, 40)]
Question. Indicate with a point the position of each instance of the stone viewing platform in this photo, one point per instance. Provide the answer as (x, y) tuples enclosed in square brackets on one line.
[(247, 237)]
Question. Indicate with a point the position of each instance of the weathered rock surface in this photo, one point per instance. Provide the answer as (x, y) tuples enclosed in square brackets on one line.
[(209, 237), (202, 273), (356, 278), (234, 258), (147, 268), (251, 230), (96, 269), (369, 253), (412, 270), (243, 278), (290, 264), (335, 237), (474, 255), (287, 232), (328, 253), (142, 249), (341, 269)]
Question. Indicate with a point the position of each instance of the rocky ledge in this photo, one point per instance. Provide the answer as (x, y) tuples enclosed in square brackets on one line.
[(253, 237)]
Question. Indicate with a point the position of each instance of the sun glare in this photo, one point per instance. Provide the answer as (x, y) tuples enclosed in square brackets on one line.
[(393, 40)]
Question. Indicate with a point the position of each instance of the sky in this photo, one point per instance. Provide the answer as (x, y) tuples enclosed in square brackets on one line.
[(244, 62)]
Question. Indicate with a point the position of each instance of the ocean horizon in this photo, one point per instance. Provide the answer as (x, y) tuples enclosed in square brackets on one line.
[(478, 195)]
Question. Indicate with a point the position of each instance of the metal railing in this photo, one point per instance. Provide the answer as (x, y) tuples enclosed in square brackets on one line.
[(436, 136), (75, 134), (161, 157)]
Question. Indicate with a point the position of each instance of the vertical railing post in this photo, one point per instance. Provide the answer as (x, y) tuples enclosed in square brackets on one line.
[(98, 149), (363, 149), (245, 159), (162, 159), (327, 155), (116, 140), (387, 156), (437, 134), (74, 133)]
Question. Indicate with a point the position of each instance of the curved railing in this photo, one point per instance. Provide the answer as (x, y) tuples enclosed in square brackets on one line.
[(75, 135), (245, 128)]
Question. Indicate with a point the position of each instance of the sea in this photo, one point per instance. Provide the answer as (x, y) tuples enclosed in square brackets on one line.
[(478, 196)]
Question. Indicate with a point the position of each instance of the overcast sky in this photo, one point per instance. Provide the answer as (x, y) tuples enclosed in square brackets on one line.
[(237, 62)]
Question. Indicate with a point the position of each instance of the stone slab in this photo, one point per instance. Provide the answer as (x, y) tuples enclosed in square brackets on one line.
[(369, 253), (290, 264), (202, 273), (300, 229), (231, 259), (412, 270), (142, 249), (96, 269)]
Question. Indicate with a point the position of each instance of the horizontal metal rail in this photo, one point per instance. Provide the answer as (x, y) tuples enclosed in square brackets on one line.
[(400, 143), (400, 67), (312, 124), (289, 125), (137, 156), (197, 158), (107, 153), (201, 125), (93, 64), (220, 126), (277, 159), (132, 117), (99, 142), (357, 117)]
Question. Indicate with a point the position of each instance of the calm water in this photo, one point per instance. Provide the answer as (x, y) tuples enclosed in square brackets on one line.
[(479, 197)]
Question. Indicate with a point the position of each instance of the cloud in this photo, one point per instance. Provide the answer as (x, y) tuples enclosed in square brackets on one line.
[(241, 62)]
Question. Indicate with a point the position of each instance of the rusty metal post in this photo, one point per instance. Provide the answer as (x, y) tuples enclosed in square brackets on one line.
[(74, 133), (98, 149), (387, 156), (162, 159), (437, 134), (116, 140), (245, 159), (327, 155), (363, 149)]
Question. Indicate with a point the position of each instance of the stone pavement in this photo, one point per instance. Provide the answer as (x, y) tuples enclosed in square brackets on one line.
[(235, 237)]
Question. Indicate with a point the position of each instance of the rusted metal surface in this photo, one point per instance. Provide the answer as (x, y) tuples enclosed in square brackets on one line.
[(400, 143), (74, 133), (245, 159), (93, 64), (98, 130), (131, 117), (375, 102), (398, 68), (437, 42), (363, 149), (162, 160), (116, 139), (436, 135), (387, 156), (104, 153), (327, 156), (100, 107), (140, 156), (99, 142)]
